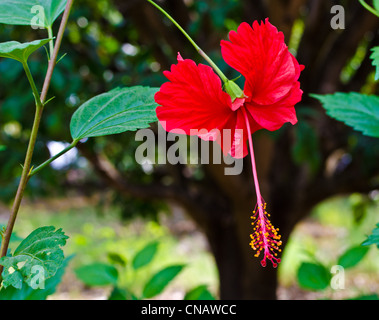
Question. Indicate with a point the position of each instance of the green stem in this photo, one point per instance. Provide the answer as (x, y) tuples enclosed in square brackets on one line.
[(369, 8), (37, 97), (46, 163), (201, 52), (22, 184), (51, 43), (33, 136)]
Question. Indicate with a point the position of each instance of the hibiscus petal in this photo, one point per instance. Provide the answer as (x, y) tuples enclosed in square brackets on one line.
[(193, 101), (234, 141), (272, 117), (260, 54)]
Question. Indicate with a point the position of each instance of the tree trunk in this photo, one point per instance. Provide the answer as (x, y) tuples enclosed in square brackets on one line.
[(221, 205)]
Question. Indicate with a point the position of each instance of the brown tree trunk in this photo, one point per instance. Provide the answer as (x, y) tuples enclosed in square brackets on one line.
[(221, 205)]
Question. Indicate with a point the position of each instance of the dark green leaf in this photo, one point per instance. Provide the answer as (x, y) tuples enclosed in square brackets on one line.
[(20, 51), (118, 294), (356, 110), (199, 293), (121, 294), (375, 60), (27, 293), (117, 111), (373, 238), (116, 258), (352, 257), (40, 252), (145, 256), (29, 12), (313, 276), (160, 280), (97, 274)]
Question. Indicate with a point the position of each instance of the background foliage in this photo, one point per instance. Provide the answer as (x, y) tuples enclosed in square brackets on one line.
[(111, 44)]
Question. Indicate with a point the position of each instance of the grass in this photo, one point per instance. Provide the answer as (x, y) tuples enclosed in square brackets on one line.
[(332, 228), (93, 236)]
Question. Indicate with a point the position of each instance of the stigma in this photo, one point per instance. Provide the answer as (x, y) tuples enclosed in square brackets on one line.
[(265, 237)]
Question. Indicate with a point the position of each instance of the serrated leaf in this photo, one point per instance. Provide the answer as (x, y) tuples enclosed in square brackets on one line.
[(352, 256), (28, 293), (29, 12), (117, 111), (199, 293), (313, 276), (97, 274), (40, 251), (145, 256), (160, 280), (375, 61), (20, 51), (373, 238), (356, 110)]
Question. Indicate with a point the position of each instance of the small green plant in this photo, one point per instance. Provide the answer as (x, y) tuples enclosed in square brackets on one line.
[(108, 274), (317, 276), (113, 112), (373, 239), (359, 111)]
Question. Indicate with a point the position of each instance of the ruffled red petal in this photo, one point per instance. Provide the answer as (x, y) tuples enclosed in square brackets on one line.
[(272, 117), (193, 101), (234, 141), (260, 54)]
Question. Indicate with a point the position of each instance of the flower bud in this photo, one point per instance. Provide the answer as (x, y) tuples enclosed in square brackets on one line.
[(233, 90)]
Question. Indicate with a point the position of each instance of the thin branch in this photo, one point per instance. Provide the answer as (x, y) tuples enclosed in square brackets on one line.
[(47, 162), (33, 137)]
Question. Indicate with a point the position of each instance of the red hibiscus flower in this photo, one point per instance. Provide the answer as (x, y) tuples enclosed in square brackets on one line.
[(194, 100)]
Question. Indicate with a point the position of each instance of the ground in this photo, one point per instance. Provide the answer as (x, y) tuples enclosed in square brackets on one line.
[(94, 233)]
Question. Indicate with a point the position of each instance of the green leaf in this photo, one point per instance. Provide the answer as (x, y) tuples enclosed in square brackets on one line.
[(375, 61), (20, 51), (118, 294), (28, 293), (116, 258), (376, 5), (145, 256), (29, 12), (97, 274), (352, 256), (160, 280), (373, 238), (199, 293), (121, 294), (313, 276), (356, 110), (117, 111), (39, 252), (366, 297)]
